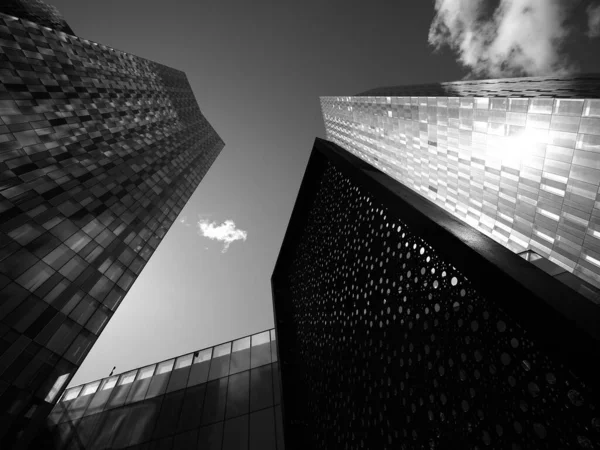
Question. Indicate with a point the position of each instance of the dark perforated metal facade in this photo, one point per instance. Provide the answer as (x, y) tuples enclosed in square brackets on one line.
[(390, 339), (99, 152)]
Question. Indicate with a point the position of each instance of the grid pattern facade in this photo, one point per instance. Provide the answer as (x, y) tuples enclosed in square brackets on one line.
[(36, 11), (394, 347), (99, 152), (524, 171), (225, 397)]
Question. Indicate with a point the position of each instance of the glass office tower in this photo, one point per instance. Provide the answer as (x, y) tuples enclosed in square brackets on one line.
[(518, 159), (400, 326), (99, 152), (225, 397)]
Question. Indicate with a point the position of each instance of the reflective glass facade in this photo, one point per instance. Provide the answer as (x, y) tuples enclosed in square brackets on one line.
[(225, 397), (99, 152), (505, 157)]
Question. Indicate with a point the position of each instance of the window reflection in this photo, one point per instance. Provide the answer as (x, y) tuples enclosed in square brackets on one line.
[(165, 367), (146, 372), (184, 361), (90, 388), (240, 358)]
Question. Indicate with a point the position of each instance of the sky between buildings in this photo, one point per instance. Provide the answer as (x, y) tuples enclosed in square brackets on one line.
[(257, 69)]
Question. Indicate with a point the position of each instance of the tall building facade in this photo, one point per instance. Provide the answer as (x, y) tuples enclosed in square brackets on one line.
[(400, 326), (518, 159), (99, 152), (226, 397)]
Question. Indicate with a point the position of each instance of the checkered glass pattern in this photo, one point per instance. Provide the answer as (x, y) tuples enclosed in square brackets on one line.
[(99, 152), (524, 171)]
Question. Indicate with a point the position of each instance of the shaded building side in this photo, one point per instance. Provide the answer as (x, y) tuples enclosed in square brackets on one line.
[(224, 397), (400, 326), (99, 152)]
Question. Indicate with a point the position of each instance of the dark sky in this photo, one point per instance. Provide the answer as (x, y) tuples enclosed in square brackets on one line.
[(257, 69)]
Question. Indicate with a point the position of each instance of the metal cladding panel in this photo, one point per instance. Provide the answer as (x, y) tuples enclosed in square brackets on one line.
[(393, 333), (524, 171), (99, 152)]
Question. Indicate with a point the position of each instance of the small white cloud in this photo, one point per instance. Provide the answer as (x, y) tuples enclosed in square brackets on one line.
[(593, 12), (517, 38), (184, 221), (226, 232)]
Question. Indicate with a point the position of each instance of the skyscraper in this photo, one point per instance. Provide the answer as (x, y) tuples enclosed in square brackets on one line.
[(401, 326), (221, 398), (518, 159), (99, 152)]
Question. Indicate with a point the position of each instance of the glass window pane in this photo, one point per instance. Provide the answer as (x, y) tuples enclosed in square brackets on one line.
[(238, 394), (273, 346), (240, 358), (109, 383), (199, 373), (191, 411), (98, 401), (165, 367), (260, 338), (214, 402), (146, 413), (179, 377), (108, 428), (71, 394), (90, 388), (241, 344), (123, 434), (169, 415), (127, 378), (184, 361), (186, 441), (119, 394), (86, 428), (236, 434), (77, 408), (262, 430), (219, 366), (211, 437), (222, 350), (261, 350), (138, 389), (261, 388), (202, 355), (158, 384), (146, 372), (163, 444)]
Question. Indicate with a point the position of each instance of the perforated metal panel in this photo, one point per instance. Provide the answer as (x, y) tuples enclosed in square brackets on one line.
[(397, 349)]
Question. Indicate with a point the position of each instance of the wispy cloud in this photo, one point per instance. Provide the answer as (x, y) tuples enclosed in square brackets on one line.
[(184, 221), (225, 232), (593, 12), (517, 38)]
